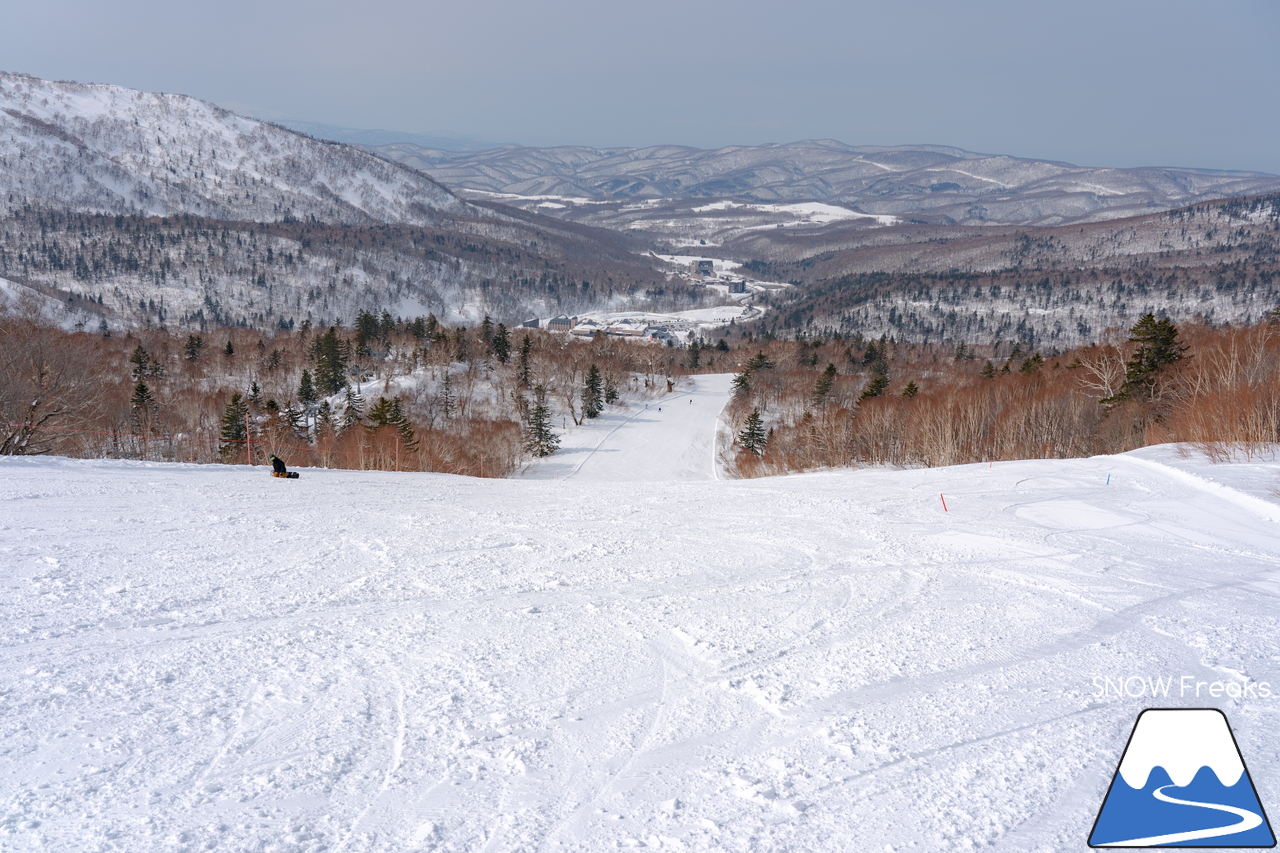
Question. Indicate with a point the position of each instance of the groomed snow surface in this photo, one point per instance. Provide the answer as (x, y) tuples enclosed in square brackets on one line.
[(207, 658)]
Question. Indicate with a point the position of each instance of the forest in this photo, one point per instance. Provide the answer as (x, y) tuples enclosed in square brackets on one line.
[(416, 395)]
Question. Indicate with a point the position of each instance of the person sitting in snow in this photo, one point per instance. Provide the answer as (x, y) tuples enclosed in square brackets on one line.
[(277, 465)]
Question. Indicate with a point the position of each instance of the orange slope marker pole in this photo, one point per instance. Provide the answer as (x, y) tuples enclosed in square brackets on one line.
[(944, 503)]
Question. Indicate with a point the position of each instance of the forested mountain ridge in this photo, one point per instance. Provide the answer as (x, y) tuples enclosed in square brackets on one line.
[(107, 149), (132, 207), (1218, 262)]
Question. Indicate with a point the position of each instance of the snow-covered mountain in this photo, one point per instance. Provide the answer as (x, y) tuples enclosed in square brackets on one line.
[(939, 183), (107, 149), (130, 207)]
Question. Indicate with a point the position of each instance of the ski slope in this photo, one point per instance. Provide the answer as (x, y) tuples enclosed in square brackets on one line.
[(670, 439), (207, 658)]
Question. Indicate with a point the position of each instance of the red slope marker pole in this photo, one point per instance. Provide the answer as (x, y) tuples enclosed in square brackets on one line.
[(944, 503)]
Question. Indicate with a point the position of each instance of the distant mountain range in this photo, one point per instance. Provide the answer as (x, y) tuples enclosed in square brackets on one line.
[(929, 183)]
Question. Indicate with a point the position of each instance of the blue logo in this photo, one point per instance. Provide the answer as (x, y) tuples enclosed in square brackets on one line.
[(1182, 783)]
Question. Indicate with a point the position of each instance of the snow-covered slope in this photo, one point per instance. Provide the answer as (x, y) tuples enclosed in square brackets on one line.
[(209, 658), (108, 149), (670, 439)]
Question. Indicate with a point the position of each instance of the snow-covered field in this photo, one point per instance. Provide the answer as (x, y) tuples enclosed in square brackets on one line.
[(206, 658)]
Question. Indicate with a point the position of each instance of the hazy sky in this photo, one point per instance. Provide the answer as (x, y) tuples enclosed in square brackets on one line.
[(1111, 83)]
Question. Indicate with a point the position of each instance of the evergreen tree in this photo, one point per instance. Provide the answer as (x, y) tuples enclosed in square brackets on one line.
[(307, 389), (255, 395), (826, 382), (234, 432), (353, 414), (911, 390), (742, 383), (141, 399), (192, 349), (610, 390), (324, 421), (695, 354), (460, 344), (540, 440), (229, 350), (502, 344), (1158, 348), (390, 413), (760, 361), (1032, 365), (593, 393), (330, 354), (296, 417), (753, 437), (486, 330), (522, 370), (367, 329), (988, 370), (141, 363), (875, 388)]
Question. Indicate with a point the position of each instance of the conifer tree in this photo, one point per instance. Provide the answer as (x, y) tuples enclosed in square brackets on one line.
[(193, 347), (593, 394), (753, 437), (324, 421), (390, 413), (876, 387), (229, 350), (522, 369), (330, 354), (353, 414), (540, 440), (760, 361), (296, 417), (911, 390), (695, 354), (826, 382), (307, 389), (141, 362), (234, 433), (1158, 348), (742, 383), (141, 399), (988, 370), (502, 344)]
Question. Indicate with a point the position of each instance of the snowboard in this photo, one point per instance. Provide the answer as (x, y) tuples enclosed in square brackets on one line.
[(292, 475)]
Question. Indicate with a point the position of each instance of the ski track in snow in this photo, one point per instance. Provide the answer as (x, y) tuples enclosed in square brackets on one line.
[(614, 650)]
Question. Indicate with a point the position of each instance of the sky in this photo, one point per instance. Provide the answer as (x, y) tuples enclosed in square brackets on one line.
[(1114, 83)]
